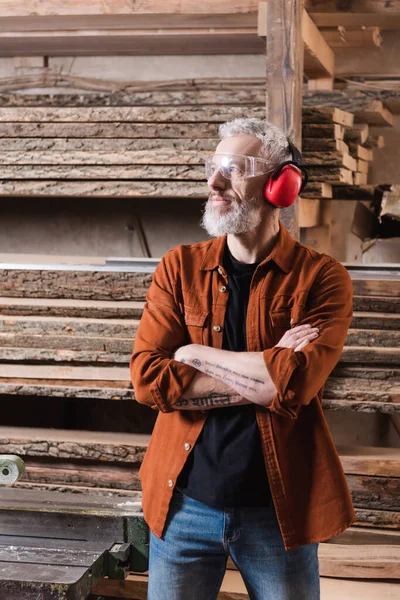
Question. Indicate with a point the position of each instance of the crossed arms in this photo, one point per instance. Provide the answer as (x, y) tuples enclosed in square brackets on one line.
[(282, 378), (233, 378)]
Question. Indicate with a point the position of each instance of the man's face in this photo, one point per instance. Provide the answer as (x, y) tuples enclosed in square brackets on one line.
[(235, 205)]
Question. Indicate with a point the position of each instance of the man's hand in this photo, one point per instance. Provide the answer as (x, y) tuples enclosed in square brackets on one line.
[(298, 337)]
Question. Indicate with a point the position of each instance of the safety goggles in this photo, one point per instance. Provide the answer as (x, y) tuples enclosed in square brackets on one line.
[(235, 166)]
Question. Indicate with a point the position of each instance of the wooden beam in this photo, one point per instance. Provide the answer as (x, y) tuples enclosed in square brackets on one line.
[(132, 42), (358, 13), (319, 60), (103, 189), (285, 60), (341, 39), (137, 114), (96, 8), (327, 114)]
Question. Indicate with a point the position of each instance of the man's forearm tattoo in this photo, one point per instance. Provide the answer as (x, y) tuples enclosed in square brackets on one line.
[(228, 375), (213, 399)]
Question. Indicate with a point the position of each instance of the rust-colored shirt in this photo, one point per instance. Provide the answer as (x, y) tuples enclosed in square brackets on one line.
[(186, 303)]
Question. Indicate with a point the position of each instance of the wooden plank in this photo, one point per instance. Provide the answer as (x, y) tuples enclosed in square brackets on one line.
[(358, 151), (381, 493), (384, 286), (127, 114), (357, 134), (87, 172), (109, 130), (329, 159), (59, 342), (376, 304), (367, 536), (364, 406), (341, 39), (103, 189), (46, 326), (160, 156), (82, 146), (79, 474), (358, 354), (327, 114), (318, 56), (358, 561), (60, 373), (97, 8), (377, 518), (365, 110), (323, 130), (168, 40), (367, 13), (352, 192), (318, 189), (320, 144), (375, 320), (347, 388), (77, 284), (189, 92), (367, 372), (67, 308), (374, 114), (330, 174)]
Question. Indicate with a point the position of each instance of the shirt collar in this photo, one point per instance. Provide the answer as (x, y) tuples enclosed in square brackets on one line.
[(282, 253)]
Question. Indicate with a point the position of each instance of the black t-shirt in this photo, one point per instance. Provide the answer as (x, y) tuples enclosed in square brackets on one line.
[(226, 467)]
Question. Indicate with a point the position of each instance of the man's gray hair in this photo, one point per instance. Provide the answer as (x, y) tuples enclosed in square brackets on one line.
[(274, 142)]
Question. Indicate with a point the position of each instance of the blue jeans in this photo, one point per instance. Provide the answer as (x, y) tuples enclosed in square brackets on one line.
[(189, 562)]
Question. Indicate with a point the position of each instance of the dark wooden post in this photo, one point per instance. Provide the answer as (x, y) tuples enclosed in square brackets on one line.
[(285, 52)]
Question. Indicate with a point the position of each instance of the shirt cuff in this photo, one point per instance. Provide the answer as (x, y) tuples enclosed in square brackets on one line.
[(281, 364), (171, 384)]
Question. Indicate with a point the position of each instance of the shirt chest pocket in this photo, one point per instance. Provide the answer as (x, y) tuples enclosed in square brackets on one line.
[(196, 324), (284, 319)]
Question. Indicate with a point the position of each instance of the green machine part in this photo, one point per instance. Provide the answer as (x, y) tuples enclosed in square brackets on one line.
[(137, 534)]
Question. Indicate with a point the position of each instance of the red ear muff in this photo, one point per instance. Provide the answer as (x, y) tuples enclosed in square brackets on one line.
[(285, 184)]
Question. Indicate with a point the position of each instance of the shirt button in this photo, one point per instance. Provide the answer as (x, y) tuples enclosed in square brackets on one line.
[(217, 328), (187, 446), (222, 288), (220, 271), (170, 483)]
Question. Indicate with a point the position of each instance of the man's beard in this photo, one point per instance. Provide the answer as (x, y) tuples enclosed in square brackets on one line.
[(236, 218)]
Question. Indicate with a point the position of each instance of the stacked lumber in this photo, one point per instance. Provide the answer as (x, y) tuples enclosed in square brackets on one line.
[(78, 347), (153, 143), (68, 339)]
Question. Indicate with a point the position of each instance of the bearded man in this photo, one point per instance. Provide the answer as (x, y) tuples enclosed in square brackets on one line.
[(238, 336)]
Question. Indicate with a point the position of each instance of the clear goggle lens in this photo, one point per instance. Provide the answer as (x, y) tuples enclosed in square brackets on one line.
[(235, 166)]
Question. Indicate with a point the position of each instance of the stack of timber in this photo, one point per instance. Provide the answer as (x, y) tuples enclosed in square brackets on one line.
[(73, 343), (66, 335), (153, 142)]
